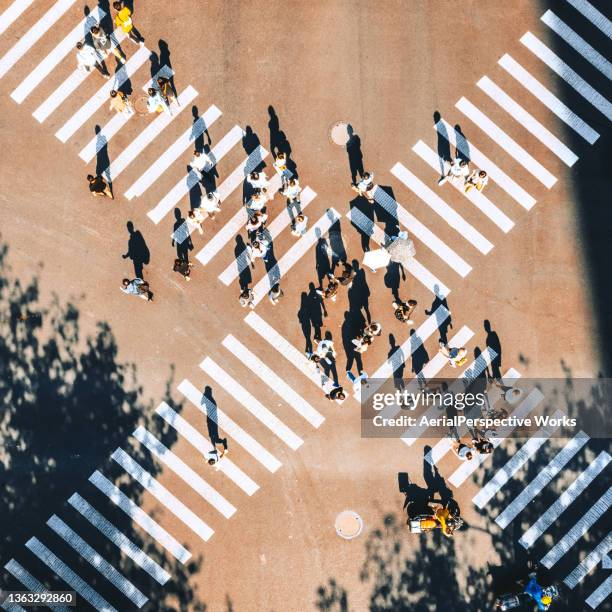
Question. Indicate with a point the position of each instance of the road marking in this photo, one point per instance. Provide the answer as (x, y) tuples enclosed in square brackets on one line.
[(93, 558), (197, 440), (439, 206), (118, 120), (528, 121), (239, 174), (578, 43), (565, 500), (601, 593), (53, 59), (27, 41), (542, 479), (421, 232), (275, 382), (68, 576), (12, 13), (177, 465), (484, 163), (589, 562), (185, 185), (29, 582), (593, 15), (252, 404), (140, 517), (418, 270), (294, 254), (127, 547), (572, 78), (171, 154), (548, 99), (254, 448), (157, 490), (599, 508)]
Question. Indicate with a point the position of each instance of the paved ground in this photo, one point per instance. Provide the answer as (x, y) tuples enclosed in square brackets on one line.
[(385, 68)]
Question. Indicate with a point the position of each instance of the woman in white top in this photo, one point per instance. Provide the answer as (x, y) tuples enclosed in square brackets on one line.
[(292, 191), (211, 204), (478, 179), (365, 187), (457, 171), (280, 166), (256, 222), (259, 248), (200, 161), (259, 199), (88, 58), (257, 180), (195, 218), (299, 225), (156, 102)]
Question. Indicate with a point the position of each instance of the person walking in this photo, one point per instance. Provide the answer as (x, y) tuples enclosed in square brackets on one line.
[(200, 162), (478, 179), (123, 20), (211, 204), (217, 452), (280, 166), (258, 180), (247, 298), (156, 103), (137, 287), (292, 192), (88, 58), (331, 291), (259, 248), (120, 103), (256, 223), (456, 171), (336, 394), (195, 219), (463, 451), (259, 199), (103, 44), (275, 294), (165, 89), (403, 310), (372, 330), (456, 356), (183, 268), (365, 186), (299, 226), (99, 187)]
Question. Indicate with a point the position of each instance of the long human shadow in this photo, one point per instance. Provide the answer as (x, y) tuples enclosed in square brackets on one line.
[(361, 205), (72, 405), (164, 60), (137, 250), (336, 244), (385, 209), (355, 156), (279, 142), (102, 158), (444, 323), (197, 134), (359, 292), (310, 315), (181, 239), (352, 325)]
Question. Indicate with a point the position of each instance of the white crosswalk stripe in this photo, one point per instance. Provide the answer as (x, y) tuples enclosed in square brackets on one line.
[(564, 500), (417, 269), (54, 58), (30, 583), (294, 254), (439, 206), (275, 382), (600, 594), (93, 558), (12, 13), (127, 547), (9, 607), (252, 404), (592, 56), (198, 441), (572, 78), (484, 163), (589, 562), (29, 39), (171, 154), (593, 15), (254, 448), (140, 517), (184, 186), (238, 175), (157, 490), (528, 121), (427, 237), (598, 509), (542, 479), (179, 467), (68, 576)]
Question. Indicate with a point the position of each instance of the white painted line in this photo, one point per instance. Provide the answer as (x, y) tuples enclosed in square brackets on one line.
[(565, 500), (593, 15), (9, 607), (102, 96), (67, 45), (607, 562), (68, 576), (528, 121), (184, 186), (127, 547), (254, 448), (252, 404), (12, 13), (275, 382), (516, 462), (572, 78), (548, 99), (192, 478), (542, 479), (418, 270), (239, 173), (294, 254), (586, 521), (118, 120), (140, 517), (29, 582), (171, 154), (281, 221), (590, 562), (27, 41), (427, 237), (578, 43), (600, 594), (473, 195), (440, 207), (157, 490), (289, 352), (93, 558), (197, 440), (484, 163)]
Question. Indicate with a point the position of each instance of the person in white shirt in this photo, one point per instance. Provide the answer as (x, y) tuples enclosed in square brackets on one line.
[(478, 179), (211, 204), (259, 199), (214, 456), (156, 102), (256, 222), (280, 165), (88, 58), (292, 191), (463, 451), (299, 225), (195, 218), (120, 103), (103, 45), (456, 172), (365, 186), (275, 294), (325, 349), (259, 248), (200, 161), (257, 180)]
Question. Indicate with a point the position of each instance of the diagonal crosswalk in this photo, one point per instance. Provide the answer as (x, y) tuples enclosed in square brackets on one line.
[(12, 13)]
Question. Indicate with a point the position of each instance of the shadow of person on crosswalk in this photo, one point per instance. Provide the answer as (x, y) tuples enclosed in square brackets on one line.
[(385, 209), (137, 250), (279, 142), (212, 420), (197, 135), (250, 140), (462, 150), (446, 322), (361, 205), (420, 356), (352, 326), (102, 158), (181, 239), (394, 272), (245, 278), (355, 155), (359, 292), (443, 147), (164, 60), (493, 342), (106, 23)]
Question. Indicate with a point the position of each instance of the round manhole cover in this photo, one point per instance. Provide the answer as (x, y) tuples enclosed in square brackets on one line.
[(348, 524), (339, 133)]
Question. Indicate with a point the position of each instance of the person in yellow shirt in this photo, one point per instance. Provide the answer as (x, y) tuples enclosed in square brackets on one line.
[(123, 20)]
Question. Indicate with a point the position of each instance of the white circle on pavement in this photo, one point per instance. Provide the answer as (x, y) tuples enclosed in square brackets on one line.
[(348, 524), (339, 133)]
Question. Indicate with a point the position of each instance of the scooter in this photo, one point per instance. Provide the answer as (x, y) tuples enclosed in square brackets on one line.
[(510, 601), (422, 523)]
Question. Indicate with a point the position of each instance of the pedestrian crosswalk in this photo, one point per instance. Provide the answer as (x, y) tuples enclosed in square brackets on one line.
[(12, 13)]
